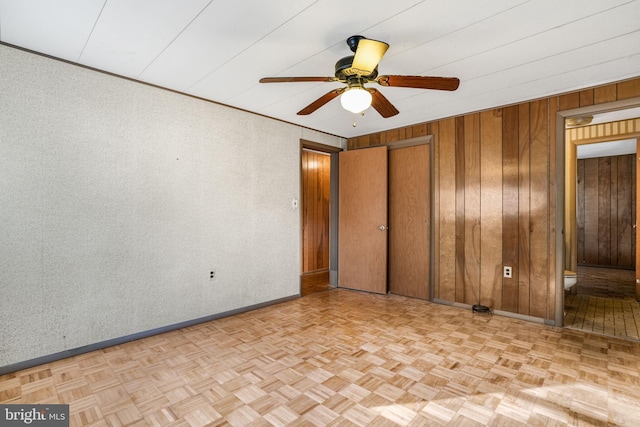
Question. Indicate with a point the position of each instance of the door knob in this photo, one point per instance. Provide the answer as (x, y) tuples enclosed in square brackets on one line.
[(382, 228)]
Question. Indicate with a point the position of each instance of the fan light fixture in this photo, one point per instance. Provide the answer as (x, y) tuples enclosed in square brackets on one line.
[(578, 121), (356, 99), (362, 68)]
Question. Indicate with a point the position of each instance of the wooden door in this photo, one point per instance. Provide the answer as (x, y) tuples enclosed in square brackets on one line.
[(362, 225), (409, 221)]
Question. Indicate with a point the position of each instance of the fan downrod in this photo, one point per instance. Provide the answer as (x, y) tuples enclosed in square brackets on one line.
[(353, 42)]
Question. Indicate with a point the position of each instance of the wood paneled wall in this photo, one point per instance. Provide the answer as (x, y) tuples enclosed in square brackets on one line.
[(316, 169), (495, 199), (606, 211)]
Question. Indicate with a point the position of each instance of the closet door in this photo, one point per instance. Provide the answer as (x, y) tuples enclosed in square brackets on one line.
[(362, 227), (410, 221)]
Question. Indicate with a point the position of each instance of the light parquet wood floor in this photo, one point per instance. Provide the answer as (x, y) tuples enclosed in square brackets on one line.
[(350, 359)]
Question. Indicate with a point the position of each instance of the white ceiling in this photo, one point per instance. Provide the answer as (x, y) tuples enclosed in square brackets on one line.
[(503, 51), (616, 115), (605, 149)]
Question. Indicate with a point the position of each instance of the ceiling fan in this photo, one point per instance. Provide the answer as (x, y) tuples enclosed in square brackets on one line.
[(360, 68)]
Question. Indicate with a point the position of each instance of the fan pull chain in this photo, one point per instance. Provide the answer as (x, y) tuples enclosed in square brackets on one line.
[(354, 122)]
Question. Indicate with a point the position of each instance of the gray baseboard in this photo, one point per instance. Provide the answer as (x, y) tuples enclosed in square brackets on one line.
[(499, 312), (333, 278), (14, 367)]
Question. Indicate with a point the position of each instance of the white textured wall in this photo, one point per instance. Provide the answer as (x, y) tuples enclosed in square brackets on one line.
[(116, 199)]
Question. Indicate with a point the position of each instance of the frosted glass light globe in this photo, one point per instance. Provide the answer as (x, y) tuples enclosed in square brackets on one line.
[(356, 100)]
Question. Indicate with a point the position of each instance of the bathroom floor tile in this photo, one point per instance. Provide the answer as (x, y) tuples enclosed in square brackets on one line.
[(605, 303)]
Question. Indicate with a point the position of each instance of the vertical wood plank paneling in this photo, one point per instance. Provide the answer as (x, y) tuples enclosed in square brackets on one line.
[(604, 210), (633, 165), (312, 211), (569, 101), (629, 89), (510, 208), (315, 211), (326, 209), (309, 200), (472, 208), (626, 236), (491, 194), (591, 211), (419, 130), (604, 94), (553, 253), (586, 97), (581, 256), (636, 197), (524, 209), (433, 129), (570, 235), (446, 195), (391, 135), (539, 256), (613, 204), (305, 211), (460, 208)]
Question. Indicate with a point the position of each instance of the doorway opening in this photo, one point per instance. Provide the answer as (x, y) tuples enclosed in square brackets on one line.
[(599, 197), (318, 217), (603, 300)]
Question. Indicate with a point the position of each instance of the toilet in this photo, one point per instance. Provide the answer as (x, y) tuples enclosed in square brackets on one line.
[(570, 279)]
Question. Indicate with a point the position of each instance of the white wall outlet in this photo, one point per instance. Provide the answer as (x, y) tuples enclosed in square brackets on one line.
[(508, 272), (212, 274), (294, 203)]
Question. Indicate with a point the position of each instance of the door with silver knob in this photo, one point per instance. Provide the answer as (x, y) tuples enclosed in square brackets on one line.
[(362, 212)]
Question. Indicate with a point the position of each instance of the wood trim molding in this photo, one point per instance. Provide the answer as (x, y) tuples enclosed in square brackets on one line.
[(404, 143), (319, 147)]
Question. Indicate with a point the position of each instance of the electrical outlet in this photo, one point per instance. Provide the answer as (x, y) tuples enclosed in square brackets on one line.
[(212, 274), (508, 272)]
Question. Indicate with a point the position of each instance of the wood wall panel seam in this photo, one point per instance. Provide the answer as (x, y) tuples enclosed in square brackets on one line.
[(510, 207), (460, 209)]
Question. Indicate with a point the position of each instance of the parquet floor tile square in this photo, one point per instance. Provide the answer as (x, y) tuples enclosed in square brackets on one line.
[(345, 358)]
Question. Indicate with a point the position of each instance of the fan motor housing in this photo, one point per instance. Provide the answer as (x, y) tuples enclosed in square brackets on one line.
[(343, 69)]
